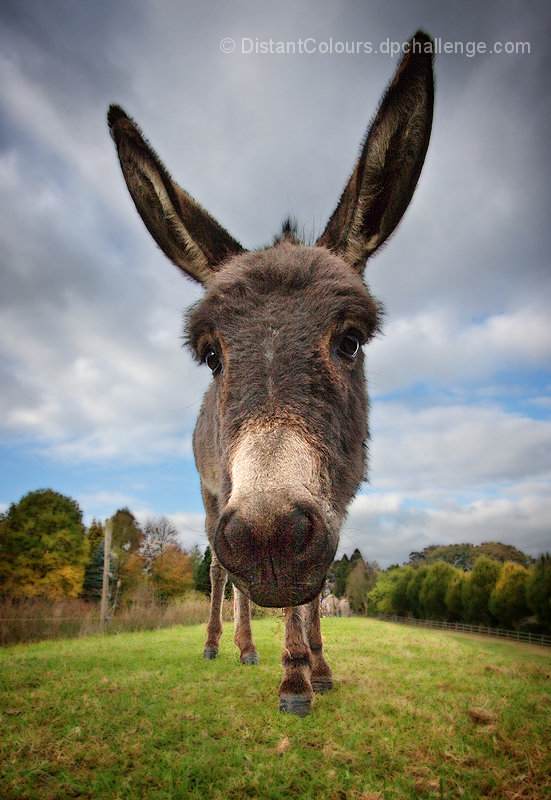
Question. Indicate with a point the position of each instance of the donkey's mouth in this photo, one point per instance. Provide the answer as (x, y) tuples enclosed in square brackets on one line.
[(279, 596), (280, 564)]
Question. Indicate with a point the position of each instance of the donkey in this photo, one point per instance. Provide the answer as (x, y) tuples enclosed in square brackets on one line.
[(329, 606), (280, 442)]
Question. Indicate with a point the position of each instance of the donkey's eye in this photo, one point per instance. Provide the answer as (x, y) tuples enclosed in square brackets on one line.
[(348, 345), (212, 360)]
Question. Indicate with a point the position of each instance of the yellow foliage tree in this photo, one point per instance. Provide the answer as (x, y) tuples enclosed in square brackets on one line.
[(172, 573)]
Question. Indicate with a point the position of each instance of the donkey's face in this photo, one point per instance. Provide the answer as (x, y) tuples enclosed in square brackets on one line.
[(282, 331), (280, 439)]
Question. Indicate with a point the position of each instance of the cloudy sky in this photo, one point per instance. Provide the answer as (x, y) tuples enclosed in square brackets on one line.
[(98, 399)]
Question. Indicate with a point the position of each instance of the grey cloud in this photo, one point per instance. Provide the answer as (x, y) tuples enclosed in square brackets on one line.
[(90, 310)]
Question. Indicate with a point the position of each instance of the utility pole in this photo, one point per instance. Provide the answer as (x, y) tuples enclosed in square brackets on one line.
[(106, 565)]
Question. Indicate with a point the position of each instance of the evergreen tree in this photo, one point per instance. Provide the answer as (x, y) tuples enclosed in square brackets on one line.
[(432, 596), (538, 590), (508, 601), (201, 573), (93, 577), (477, 588), (357, 586), (339, 572), (381, 596), (454, 598), (400, 601), (413, 589)]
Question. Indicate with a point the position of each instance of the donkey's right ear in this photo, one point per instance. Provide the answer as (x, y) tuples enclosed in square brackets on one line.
[(190, 237)]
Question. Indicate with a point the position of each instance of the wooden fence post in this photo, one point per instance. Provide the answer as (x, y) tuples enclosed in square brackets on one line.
[(106, 565)]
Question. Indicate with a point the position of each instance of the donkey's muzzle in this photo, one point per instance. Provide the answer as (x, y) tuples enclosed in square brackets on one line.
[(280, 560)]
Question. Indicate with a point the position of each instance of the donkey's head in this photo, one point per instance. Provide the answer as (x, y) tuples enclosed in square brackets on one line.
[(280, 441)]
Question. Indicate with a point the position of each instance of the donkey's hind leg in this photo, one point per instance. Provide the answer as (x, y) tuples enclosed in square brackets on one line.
[(243, 635), (218, 578)]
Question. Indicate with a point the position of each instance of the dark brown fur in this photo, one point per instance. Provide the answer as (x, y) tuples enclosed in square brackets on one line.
[(280, 442)]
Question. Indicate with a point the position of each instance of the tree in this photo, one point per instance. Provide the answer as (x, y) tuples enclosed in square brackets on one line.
[(357, 586), (171, 573), (508, 601), (127, 534), (201, 572), (126, 540), (477, 588), (503, 552), (339, 573), (93, 577), (463, 556), (538, 590), (399, 598), (380, 598), (432, 596), (158, 534), (413, 589), (454, 597), (95, 534), (134, 581), (43, 548)]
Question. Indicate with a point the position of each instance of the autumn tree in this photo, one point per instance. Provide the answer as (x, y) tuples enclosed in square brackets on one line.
[(95, 534), (43, 547), (158, 534), (171, 573)]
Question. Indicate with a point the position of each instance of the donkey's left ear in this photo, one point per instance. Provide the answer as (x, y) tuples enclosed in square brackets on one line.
[(386, 174), (190, 237)]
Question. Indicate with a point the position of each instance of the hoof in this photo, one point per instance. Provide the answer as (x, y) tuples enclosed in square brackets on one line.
[(321, 685), (210, 653), (250, 658), (295, 704)]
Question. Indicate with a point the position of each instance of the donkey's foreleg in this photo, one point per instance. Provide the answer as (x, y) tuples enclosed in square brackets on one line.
[(321, 677), (295, 691), (218, 578), (243, 635)]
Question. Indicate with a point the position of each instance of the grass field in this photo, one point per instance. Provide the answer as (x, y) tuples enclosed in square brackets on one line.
[(415, 714)]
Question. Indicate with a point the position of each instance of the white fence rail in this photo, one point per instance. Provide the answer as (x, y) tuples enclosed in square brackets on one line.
[(482, 630)]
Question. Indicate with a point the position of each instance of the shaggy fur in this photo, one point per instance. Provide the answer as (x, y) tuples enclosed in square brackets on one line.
[(280, 442)]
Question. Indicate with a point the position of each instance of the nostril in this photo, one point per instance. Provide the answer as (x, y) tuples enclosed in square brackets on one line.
[(303, 530), (233, 541)]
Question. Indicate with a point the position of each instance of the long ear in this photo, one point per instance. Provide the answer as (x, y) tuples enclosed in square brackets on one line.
[(190, 237), (384, 179)]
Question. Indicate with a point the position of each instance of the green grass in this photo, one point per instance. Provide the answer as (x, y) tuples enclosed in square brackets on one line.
[(414, 714)]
